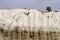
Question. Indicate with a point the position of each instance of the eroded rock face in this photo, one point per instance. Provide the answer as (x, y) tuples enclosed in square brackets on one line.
[(17, 23)]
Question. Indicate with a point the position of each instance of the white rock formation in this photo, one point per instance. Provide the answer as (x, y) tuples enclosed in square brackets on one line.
[(29, 18)]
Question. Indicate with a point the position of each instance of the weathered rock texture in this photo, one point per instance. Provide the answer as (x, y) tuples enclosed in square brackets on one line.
[(29, 24)]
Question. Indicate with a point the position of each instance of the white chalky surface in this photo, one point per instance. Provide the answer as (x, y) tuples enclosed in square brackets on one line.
[(35, 20)]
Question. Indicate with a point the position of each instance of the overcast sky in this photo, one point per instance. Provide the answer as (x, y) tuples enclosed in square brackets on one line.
[(38, 4)]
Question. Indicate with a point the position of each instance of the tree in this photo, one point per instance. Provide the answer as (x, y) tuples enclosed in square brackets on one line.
[(56, 11), (48, 9)]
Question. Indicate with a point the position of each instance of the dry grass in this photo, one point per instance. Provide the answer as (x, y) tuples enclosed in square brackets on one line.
[(29, 35)]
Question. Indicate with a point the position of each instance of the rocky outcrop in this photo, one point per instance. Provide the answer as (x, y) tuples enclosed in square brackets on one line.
[(29, 24)]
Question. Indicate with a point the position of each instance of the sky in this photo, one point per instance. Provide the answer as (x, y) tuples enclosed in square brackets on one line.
[(37, 4)]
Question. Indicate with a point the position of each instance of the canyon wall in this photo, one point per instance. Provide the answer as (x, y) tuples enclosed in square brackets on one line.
[(29, 24)]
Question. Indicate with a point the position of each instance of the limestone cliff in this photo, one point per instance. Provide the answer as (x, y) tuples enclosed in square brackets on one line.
[(25, 18), (29, 20)]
